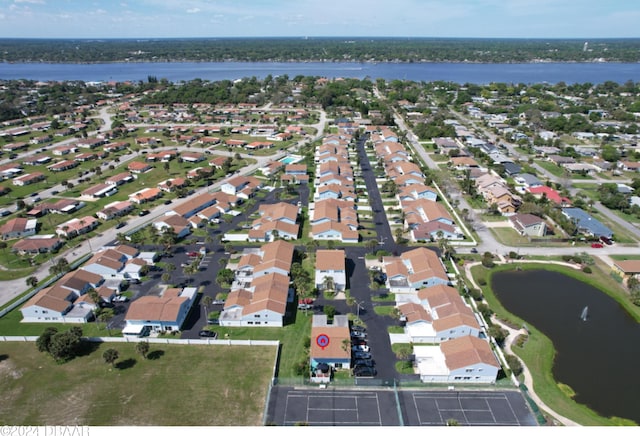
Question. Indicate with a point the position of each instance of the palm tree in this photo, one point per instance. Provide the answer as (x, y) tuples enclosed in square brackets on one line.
[(328, 283), (110, 356), (206, 302), (142, 348)]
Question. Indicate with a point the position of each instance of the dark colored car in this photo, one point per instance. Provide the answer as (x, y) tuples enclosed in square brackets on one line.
[(357, 328), (362, 355), (167, 202), (363, 362), (121, 225), (143, 212), (474, 250), (364, 371), (208, 334)]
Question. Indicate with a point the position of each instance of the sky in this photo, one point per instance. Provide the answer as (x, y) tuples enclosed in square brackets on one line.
[(316, 18)]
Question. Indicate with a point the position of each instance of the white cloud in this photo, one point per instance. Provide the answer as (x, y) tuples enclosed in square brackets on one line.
[(33, 2), (193, 10)]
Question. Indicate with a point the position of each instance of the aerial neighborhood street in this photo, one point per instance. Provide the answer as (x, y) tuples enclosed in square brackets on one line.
[(175, 222)]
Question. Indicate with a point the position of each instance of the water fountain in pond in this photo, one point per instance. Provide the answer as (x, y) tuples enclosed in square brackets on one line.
[(585, 311)]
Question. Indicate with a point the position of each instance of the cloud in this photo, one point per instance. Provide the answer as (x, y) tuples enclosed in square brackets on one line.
[(193, 10), (33, 2)]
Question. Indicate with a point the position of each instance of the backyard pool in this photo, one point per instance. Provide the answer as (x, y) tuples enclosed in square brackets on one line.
[(291, 159)]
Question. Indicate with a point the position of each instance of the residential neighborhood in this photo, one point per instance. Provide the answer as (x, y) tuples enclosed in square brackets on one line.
[(359, 229)]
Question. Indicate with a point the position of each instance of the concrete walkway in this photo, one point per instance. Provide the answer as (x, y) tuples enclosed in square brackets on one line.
[(513, 334)]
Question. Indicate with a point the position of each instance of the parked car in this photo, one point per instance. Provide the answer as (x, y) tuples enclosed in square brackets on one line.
[(208, 334), (364, 371), (121, 299), (358, 328), (192, 254), (213, 321), (474, 250), (218, 301), (363, 362), (143, 212), (358, 342), (167, 202), (596, 245), (121, 225), (606, 240), (361, 348), (305, 303), (358, 335), (380, 277), (362, 355)]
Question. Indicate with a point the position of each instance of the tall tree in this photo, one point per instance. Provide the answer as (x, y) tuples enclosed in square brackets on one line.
[(110, 356)]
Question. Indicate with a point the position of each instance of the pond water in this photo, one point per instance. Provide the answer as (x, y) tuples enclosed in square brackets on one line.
[(597, 357)]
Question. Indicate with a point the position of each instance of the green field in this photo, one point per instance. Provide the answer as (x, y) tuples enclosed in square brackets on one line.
[(217, 385)]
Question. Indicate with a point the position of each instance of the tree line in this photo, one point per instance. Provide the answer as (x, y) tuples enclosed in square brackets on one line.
[(351, 49)]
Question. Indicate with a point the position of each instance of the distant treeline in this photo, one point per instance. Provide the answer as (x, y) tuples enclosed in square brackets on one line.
[(320, 49)]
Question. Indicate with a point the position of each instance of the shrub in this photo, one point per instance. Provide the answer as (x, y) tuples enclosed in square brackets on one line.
[(514, 363), (476, 294), (482, 281), (587, 270)]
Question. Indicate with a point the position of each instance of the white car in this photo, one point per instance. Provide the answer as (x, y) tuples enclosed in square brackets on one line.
[(364, 348)]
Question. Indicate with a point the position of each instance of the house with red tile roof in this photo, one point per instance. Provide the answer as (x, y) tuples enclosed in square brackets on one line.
[(466, 359), (145, 195), (37, 244), (139, 167), (77, 226), (241, 186), (100, 190), (334, 219), (262, 305), (120, 178), (330, 270), (114, 210), (18, 228), (164, 313), (277, 219), (414, 270), (333, 356), (28, 179), (180, 225)]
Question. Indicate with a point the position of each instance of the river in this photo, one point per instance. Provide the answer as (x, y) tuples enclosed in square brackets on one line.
[(213, 71)]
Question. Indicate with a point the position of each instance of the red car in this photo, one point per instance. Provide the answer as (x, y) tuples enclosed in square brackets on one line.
[(193, 254), (596, 245)]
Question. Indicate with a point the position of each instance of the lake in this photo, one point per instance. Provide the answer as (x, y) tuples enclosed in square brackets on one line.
[(451, 72), (598, 357)]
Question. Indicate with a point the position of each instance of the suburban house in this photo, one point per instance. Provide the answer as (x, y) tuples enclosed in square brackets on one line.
[(171, 185), (434, 230), (28, 179), (37, 244), (330, 270), (18, 228), (276, 221), (334, 219), (56, 303), (241, 186), (145, 195), (414, 270), (100, 190), (139, 167), (466, 359), (275, 257), (77, 226), (114, 210), (330, 347), (180, 225), (551, 194), (119, 262), (627, 268), (527, 224), (263, 304), (164, 313), (120, 179), (586, 224)]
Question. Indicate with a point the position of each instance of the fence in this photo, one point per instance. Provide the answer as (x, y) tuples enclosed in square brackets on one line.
[(42, 285), (203, 341)]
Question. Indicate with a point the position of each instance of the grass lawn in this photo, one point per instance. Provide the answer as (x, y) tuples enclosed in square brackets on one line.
[(552, 168), (177, 385), (538, 352)]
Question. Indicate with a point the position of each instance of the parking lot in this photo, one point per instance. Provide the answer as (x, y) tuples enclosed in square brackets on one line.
[(386, 407)]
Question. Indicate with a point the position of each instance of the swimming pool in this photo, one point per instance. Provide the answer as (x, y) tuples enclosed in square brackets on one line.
[(292, 158)]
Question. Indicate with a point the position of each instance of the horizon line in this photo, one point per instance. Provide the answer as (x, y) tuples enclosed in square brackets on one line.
[(541, 38)]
